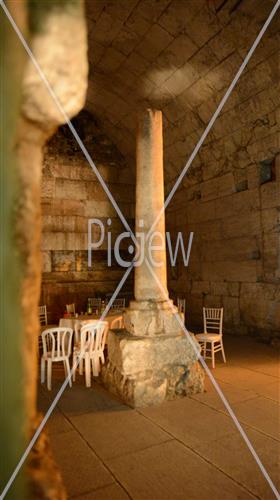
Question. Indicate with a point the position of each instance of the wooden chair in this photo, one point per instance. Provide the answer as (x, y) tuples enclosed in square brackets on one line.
[(213, 334), (43, 318), (57, 346), (43, 315), (181, 304), (91, 349)]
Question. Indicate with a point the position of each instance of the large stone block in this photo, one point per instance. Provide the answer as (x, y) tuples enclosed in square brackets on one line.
[(200, 287), (235, 227), (233, 249), (47, 187), (270, 194), (146, 371), (151, 318), (271, 252), (231, 311), (230, 271), (218, 187), (271, 219), (238, 203), (219, 288), (63, 261), (46, 262), (70, 189)]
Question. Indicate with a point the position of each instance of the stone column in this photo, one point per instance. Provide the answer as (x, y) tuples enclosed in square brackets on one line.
[(149, 202), (152, 313), (151, 359)]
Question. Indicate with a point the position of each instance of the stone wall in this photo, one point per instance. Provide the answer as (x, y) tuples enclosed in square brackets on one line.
[(180, 57), (71, 194), (235, 257)]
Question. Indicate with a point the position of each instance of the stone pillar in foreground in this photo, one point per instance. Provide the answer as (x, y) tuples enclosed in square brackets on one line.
[(152, 359)]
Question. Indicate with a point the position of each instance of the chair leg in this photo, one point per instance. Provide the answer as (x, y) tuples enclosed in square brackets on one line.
[(42, 370), (74, 367), (68, 371), (87, 370), (223, 351), (212, 354), (81, 366), (49, 374), (95, 366)]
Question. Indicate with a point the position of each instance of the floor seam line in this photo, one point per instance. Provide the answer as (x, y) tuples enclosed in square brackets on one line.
[(223, 412), (103, 463), (207, 461)]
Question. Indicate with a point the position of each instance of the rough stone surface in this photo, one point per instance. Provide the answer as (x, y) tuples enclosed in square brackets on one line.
[(72, 194), (41, 467), (180, 57), (63, 60), (151, 361), (151, 318), (62, 65), (145, 371)]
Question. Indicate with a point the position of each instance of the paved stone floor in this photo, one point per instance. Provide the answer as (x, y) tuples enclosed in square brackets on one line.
[(184, 449)]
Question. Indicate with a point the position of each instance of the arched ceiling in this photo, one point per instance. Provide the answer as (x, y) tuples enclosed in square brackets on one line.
[(178, 56)]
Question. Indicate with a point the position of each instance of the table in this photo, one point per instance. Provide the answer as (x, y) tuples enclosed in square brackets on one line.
[(71, 322)]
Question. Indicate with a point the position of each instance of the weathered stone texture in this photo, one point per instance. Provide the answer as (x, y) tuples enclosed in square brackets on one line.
[(235, 261), (146, 371), (71, 194)]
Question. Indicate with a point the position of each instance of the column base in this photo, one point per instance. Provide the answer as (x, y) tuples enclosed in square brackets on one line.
[(145, 371), (151, 318)]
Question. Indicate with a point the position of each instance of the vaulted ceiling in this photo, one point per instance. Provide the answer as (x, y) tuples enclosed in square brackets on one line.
[(178, 56)]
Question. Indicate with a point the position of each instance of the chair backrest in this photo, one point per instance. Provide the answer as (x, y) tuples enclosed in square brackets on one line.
[(181, 304), (93, 336), (117, 323), (43, 315), (95, 302), (77, 328), (77, 332), (57, 342), (70, 308), (118, 304), (213, 319)]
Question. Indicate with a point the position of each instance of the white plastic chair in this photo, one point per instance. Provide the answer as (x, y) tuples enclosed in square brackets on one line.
[(118, 304), (91, 349), (57, 346), (77, 329), (117, 323), (43, 315), (213, 334), (70, 308)]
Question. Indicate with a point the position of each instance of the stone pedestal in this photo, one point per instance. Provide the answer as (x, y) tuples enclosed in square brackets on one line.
[(152, 359), (145, 371)]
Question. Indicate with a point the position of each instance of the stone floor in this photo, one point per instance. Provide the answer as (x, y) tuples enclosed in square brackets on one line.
[(184, 449)]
